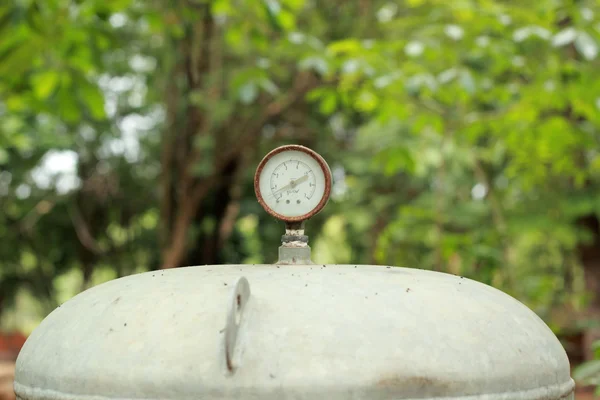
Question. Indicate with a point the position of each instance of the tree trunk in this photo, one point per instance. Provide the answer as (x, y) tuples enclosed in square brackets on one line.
[(191, 140), (216, 208), (590, 258), (182, 191), (173, 255)]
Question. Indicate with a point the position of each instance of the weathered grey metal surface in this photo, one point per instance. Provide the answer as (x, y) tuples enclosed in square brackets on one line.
[(289, 254), (305, 332)]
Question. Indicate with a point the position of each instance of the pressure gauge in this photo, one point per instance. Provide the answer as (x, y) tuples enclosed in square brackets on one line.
[(292, 183)]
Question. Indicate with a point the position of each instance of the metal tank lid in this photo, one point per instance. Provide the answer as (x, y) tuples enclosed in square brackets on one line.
[(293, 330)]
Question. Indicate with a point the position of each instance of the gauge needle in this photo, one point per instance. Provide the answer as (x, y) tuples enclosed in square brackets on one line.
[(292, 184)]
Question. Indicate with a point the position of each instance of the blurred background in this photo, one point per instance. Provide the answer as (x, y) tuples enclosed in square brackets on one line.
[(463, 136)]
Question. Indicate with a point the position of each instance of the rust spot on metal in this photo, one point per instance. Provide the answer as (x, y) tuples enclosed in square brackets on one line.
[(317, 158), (228, 360)]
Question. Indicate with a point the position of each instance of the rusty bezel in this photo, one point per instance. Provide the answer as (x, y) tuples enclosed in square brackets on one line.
[(324, 167)]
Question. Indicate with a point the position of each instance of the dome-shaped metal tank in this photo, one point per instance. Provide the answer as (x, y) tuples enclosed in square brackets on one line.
[(293, 332)]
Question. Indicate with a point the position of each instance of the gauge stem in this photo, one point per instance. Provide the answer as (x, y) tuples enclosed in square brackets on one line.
[(294, 228), (294, 235)]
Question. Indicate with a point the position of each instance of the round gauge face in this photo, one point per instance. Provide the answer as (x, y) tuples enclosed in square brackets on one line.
[(292, 183)]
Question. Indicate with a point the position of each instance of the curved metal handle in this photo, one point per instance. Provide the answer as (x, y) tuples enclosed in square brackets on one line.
[(239, 299)]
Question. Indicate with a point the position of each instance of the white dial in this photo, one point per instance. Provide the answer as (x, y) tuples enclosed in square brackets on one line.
[(293, 183)]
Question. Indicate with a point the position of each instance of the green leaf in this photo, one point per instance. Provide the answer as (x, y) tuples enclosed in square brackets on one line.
[(68, 109), (287, 20), (44, 83), (17, 54), (279, 19), (12, 124), (16, 103), (317, 93), (588, 372), (4, 157), (328, 103), (396, 159), (93, 99), (294, 4), (118, 5), (234, 37), (21, 142), (222, 7), (348, 46), (367, 101)]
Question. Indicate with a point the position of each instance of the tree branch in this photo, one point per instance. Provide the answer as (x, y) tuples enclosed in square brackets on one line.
[(167, 153), (304, 83), (83, 233)]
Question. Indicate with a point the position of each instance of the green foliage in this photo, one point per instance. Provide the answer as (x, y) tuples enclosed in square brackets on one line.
[(487, 111), (589, 373)]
